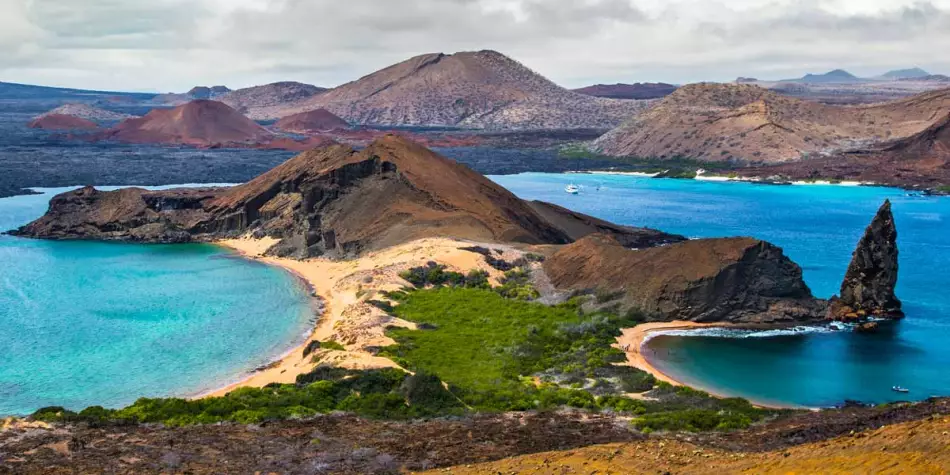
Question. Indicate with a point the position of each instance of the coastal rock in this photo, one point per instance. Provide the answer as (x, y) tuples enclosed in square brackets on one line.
[(740, 280), (129, 214), (868, 285)]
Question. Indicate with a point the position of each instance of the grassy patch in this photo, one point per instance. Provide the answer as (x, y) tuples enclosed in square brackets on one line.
[(385, 393)]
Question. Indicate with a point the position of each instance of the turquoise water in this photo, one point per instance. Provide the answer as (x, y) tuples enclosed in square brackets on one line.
[(818, 227), (85, 323)]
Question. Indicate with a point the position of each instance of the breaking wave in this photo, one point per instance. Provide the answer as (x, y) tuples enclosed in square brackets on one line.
[(740, 333)]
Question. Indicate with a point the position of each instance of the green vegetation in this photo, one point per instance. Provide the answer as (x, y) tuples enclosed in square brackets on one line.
[(475, 349), (331, 345), (944, 189), (433, 274), (385, 393)]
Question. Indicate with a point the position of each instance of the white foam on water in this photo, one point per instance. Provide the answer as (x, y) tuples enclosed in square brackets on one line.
[(738, 333)]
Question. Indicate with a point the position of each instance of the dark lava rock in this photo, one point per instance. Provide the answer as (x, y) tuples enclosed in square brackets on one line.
[(872, 275)]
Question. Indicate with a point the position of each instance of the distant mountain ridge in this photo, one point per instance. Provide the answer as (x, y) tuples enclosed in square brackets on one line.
[(480, 89), (834, 76), (645, 90), (263, 102), (911, 73)]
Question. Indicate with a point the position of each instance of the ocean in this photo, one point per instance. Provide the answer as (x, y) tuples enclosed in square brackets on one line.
[(92, 323), (818, 226)]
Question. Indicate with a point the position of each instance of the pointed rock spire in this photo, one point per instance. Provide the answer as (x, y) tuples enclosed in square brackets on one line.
[(868, 287)]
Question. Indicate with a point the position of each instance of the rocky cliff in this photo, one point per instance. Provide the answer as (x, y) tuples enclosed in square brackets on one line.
[(332, 201), (739, 280), (868, 287)]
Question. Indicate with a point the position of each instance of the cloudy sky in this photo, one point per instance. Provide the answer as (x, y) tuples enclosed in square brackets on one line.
[(171, 45)]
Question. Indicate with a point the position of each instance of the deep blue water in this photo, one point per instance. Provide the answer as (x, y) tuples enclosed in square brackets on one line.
[(818, 227), (85, 323)]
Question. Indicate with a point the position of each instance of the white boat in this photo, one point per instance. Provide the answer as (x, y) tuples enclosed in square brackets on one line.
[(900, 389), (572, 189)]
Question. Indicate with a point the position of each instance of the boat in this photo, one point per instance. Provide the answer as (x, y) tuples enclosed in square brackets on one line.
[(572, 189), (900, 389)]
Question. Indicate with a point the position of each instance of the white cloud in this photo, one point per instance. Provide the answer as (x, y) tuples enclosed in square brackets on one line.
[(175, 44)]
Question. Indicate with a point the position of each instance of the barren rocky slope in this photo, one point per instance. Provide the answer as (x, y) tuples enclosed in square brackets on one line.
[(483, 89), (266, 101), (334, 201), (919, 161), (898, 438), (748, 124)]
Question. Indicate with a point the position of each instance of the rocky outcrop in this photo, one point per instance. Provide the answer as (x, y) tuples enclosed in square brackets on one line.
[(739, 280), (868, 287)]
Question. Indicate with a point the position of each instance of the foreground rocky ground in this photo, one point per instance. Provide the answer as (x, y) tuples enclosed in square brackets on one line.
[(910, 438)]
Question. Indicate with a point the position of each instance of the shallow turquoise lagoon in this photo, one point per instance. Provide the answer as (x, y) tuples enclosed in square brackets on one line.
[(818, 226), (85, 323)]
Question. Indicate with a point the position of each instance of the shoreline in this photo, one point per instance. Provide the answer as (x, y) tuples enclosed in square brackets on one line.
[(342, 289), (636, 338)]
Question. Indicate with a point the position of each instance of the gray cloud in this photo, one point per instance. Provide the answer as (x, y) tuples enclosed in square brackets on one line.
[(174, 44)]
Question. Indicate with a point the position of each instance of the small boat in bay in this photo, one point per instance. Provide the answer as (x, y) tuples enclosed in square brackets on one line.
[(572, 189), (900, 389)]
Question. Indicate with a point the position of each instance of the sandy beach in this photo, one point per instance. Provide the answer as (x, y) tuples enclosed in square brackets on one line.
[(633, 339), (344, 288)]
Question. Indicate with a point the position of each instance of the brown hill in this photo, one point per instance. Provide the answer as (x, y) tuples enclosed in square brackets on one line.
[(645, 90), (320, 120), (265, 102), (748, 124), (61, 122), (200, 123), (740, 280), (483, 89), (334, 201)]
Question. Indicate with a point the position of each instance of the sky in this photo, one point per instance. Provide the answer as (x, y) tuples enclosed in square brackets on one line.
[(172, 45)]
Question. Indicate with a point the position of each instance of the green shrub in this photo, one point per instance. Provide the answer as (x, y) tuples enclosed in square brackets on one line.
[(693, 420)]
